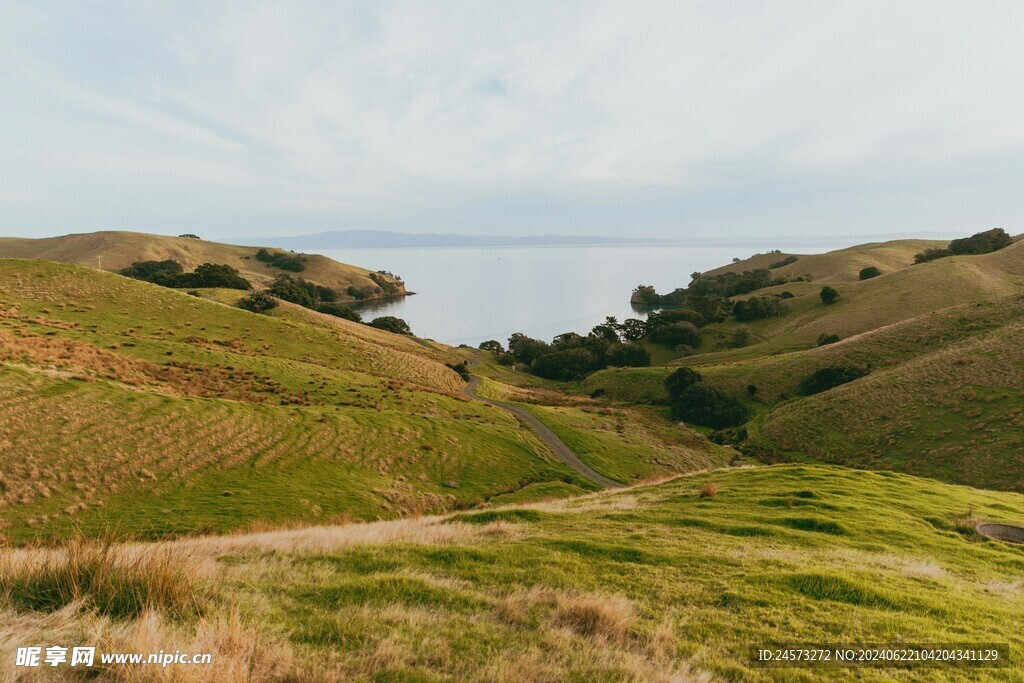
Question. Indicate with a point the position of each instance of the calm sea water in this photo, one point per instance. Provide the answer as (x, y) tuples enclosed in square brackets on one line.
[(466, 295)]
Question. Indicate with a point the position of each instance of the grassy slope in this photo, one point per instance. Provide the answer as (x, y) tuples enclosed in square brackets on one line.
[(954, 413), (942, 398), (841, 265), (132, 405), (647, 584), (117, 250)]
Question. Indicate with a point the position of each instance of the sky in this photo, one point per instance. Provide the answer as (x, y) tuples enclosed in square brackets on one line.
[(633, 118)]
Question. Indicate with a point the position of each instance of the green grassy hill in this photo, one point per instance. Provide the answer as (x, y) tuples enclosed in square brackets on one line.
[(139, 408), (113, 251), (657, 583), (942, 340)]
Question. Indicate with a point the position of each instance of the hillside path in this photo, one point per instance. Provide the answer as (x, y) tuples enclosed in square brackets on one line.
[(545, 434)]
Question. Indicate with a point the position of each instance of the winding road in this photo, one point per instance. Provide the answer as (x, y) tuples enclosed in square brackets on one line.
[(545, 434)]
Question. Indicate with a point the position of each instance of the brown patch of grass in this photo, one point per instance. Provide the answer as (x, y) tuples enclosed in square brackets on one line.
[(608, 617), (104, 576), (708, 490)]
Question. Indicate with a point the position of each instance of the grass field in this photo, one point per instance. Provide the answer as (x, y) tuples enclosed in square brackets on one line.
[(658, 583)]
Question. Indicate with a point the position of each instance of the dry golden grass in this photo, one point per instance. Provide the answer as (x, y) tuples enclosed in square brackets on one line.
[(608, 617), (423, 531), (708, 489), (113, 580), (239, 652)]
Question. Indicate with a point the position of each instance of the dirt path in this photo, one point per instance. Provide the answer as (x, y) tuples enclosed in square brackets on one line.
[(545, 434)]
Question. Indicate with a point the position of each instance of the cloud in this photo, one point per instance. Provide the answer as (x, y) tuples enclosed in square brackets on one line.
[(668, 118)]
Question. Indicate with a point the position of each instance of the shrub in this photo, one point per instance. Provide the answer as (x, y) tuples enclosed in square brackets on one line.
[(628, 355), (258, 302), (825, 339), (981, 242), (869, 272), (824, 379), (340, 311), (681, 380), (829, 294), (931, 255), (705, 405), (390, 323)]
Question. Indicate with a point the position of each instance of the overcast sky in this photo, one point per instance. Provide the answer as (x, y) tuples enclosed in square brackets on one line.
[(675, 119)]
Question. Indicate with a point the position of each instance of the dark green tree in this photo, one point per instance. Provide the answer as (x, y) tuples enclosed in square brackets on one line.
[(390, 323), (680, 380), (829, 294), (706, 405)]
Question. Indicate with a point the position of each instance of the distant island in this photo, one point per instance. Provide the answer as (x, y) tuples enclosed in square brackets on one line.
[(354, 239)]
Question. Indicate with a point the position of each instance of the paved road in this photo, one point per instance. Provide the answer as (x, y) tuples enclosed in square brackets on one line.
[(546, 435)]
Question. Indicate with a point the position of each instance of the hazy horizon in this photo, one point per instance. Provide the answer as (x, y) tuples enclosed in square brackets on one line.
[(655, 119)]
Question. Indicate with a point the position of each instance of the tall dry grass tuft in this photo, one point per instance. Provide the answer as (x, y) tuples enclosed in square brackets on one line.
[(102, 575), (607, 617), (708, 490)]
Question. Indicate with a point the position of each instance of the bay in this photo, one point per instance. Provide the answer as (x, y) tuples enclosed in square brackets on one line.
[(467, 295)]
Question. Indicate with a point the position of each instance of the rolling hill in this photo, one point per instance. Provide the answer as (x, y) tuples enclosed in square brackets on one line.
[(942, 342), (113, 251), (147, 411)]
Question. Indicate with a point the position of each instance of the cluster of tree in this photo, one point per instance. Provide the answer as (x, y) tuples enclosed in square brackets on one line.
[(981, 242), (390, 323), (824, 379), (978, 243), (570, 356), (931, 255), (759, 307), (283, 260), (311, 295), (693, 400), (784, 262), (869, 272), (731, 284), (172, 274)]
